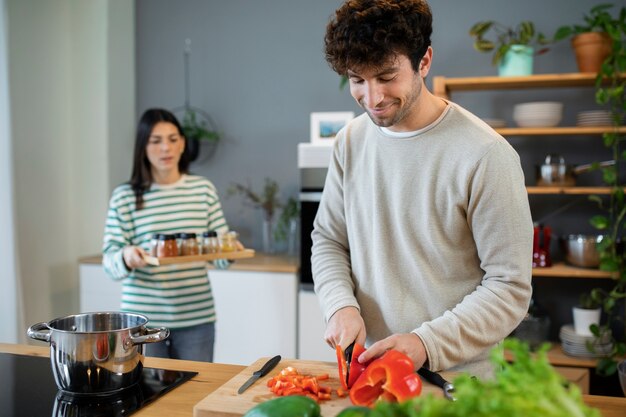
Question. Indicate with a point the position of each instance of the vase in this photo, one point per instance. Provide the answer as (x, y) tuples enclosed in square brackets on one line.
[(268, 235), (292, 238), (584, 318), (517, 61), (591, 50)]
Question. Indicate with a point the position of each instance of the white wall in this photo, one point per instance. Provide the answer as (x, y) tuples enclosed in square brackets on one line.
[(61, 58), (10, 294)]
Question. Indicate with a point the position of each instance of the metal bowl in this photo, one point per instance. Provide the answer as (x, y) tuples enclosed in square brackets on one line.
[(581, 250)]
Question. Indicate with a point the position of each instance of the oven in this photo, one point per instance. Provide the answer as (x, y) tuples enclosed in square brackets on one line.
[(309, 203), (313, 163)]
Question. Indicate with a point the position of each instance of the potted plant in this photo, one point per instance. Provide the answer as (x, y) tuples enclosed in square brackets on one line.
[(268, 201), (587, 312), (513, 47), (610, 93), (594, 39), (198, 128)]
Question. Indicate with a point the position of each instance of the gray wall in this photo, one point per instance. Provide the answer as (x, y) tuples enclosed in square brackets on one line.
[(258, 68)]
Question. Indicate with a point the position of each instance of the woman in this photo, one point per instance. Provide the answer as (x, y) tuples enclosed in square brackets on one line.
[(161, 197)]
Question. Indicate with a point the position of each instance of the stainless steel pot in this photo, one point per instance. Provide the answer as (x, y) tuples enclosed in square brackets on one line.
[(581, 250), (97, 353), (555, 172)]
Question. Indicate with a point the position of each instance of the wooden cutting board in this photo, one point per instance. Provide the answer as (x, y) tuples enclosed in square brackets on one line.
[(240, 254), (225, 402)]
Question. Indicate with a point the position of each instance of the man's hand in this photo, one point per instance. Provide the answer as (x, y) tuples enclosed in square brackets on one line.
[(344, 327), (407, 343), (134, 257)]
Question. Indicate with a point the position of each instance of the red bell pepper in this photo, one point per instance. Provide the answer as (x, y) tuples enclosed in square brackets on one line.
[(391, 377), (355, 369)]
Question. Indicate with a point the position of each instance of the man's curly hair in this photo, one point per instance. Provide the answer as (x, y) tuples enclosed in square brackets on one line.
[(367, 33)]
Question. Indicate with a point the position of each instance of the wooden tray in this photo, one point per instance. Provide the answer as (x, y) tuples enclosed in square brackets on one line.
[(240, 254), (225, 402)]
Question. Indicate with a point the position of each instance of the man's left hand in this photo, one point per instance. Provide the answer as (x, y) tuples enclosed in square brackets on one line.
[(408, 343)]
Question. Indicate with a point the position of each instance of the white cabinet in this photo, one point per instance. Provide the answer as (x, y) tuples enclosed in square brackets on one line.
[(256, 311), (311, 327), (98, 292), (256, 315)]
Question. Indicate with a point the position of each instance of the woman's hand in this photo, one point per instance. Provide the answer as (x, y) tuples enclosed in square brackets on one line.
[(134, 257)]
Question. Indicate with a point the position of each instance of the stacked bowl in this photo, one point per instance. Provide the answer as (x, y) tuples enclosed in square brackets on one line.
[(538, 114), (574, 344)]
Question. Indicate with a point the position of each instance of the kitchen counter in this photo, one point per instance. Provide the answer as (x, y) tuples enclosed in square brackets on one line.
[(261, 262), (181, 400)]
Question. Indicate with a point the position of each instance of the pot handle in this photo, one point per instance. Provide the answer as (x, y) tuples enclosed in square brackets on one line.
[(34, 332), (151, 336)]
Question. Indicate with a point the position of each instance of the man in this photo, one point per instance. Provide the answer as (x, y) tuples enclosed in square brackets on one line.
[(423, 238)]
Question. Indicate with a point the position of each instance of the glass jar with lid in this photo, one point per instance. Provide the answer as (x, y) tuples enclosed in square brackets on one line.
[(154, 244), (228, 241), (167, 246), (189, 244), (210, 244)]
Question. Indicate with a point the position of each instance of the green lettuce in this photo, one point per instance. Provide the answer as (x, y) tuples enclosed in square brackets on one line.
[(527, 387)]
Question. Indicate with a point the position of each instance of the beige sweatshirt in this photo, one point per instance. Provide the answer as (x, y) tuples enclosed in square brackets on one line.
[(430, 234)]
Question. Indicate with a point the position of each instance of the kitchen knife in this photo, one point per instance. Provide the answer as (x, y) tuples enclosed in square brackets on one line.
[(269, 365), (436, 379)]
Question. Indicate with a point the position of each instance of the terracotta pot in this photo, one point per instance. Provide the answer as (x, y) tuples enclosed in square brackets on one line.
[(591, 50)]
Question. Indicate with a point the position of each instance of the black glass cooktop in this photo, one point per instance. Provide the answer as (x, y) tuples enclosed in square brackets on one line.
[(27, 389)]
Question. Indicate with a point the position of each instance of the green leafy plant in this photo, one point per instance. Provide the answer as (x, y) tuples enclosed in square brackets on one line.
[(196, 129), (528, 386), (597, 20), (268, 199), (505, 37), (592, 300), (610, 88)]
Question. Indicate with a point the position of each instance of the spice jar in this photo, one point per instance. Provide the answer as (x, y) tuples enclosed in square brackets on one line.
[(228, 242), (188, 244), (154, 243), (167, 246), (210, 244)]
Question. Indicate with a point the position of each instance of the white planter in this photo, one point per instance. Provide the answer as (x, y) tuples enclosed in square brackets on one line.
[(583, 318)]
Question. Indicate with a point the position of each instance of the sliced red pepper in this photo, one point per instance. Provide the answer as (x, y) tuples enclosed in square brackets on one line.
[(355, 368), (391, 377)]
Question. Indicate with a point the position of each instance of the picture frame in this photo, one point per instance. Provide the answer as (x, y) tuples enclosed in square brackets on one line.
[(325, 125)]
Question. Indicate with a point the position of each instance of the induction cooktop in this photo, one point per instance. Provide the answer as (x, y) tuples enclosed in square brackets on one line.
[(27, 389)]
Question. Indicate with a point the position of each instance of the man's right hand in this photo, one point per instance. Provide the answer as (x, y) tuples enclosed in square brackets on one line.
[(344, 327), (134, 257)]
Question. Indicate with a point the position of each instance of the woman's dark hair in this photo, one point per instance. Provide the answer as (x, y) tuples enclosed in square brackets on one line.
[(141, 177), (367, 33)]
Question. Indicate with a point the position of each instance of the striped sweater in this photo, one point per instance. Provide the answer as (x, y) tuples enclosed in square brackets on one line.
[(174, 296)]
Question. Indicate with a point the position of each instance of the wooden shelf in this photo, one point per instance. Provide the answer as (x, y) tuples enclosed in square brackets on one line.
[(443, 86), (557, 357), (560, 270), (568, 190), (558, 131)]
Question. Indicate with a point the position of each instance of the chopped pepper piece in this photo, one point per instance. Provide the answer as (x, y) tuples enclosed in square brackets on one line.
[(391, 377)]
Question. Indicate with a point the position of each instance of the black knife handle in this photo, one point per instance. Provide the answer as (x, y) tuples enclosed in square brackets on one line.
[(269, 365), (432, 377)]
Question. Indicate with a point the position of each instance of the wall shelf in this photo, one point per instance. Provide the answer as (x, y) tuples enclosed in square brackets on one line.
[(561, 270), (558, 131), (443, 86), (568, 190)]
